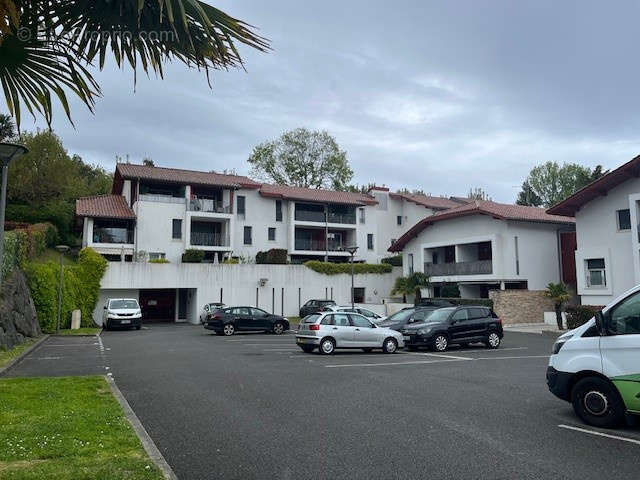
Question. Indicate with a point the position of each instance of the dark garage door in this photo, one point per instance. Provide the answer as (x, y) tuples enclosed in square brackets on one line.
[(158, 305)]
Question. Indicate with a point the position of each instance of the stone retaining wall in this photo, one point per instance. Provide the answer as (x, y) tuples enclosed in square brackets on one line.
[(520, 306), (18, 318)]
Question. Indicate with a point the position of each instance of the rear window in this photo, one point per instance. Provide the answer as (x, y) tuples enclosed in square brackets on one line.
[(479, 312), (310, 318), (326, 302), (120, 304)]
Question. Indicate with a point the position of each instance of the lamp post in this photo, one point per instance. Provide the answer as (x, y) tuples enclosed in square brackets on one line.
[(62, 249), (8, 151), (352, 250)]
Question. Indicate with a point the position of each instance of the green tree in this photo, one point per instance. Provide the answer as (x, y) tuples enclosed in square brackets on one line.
[(302, 158), (148, 162), (48, 47), (7, 128), (550, 183), (411, 285), (402, 287), (559, 294)]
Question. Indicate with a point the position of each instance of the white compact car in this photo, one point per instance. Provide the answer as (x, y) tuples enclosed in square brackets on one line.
[(596, 366), (122, 312), (327, 331)]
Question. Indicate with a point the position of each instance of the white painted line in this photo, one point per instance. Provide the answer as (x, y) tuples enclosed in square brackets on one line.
[(268, 344), (510, 358), (390, 363), (280, 350), (600, 434), (488, 350), (43, 358), (438, 355)]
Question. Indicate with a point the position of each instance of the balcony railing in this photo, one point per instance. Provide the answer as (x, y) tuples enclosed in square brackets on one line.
[(207, 205), (480, 267), (112, 235), (318, 245), (309, 216), (161, 198), (205, 239), (342, 218)]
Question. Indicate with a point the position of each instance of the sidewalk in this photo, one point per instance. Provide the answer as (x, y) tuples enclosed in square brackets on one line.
[(532, 328)]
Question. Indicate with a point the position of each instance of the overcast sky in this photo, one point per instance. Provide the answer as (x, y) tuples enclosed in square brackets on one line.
[(441, 96)]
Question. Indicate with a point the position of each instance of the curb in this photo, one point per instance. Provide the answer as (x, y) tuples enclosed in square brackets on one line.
[(18, 359), (145, 439)]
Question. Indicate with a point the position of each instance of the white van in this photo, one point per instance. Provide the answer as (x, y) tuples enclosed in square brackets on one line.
[(596, 367)]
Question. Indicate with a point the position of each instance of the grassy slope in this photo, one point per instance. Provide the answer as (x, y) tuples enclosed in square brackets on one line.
[(7, 355), (67, 428), (51, 255)]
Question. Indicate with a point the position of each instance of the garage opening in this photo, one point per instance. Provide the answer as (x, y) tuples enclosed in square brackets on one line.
[(158, 305)]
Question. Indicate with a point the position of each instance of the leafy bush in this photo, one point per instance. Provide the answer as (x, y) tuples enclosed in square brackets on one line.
[(193, 256), (231, 261), (450, 290), (80, 289), (395, 261), (59, 213), (261, 257), (276, 256), (24, 241), (329, 268), (16, 247), (579, 315), (159, 260)]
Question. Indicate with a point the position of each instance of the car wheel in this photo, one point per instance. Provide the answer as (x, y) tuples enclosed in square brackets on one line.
[(228, 330), (307, 349), (597, 403), (493, 340), (390, 345), (327, 346), (440, 343), (278, 328), (367, 350)]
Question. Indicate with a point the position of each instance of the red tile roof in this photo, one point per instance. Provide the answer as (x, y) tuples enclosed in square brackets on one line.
[(501, 211), (104, 206), (190, 177), (316, 195), (435, 203), (597, 188)]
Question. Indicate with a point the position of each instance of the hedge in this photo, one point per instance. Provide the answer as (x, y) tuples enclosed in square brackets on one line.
[(329, 268), (80, 289), (23, 242), (395, 261), (192, 255), (277, 256), (579, 315)]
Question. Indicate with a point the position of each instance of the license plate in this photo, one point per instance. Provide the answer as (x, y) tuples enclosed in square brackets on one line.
[(124, 322), (406, 337)]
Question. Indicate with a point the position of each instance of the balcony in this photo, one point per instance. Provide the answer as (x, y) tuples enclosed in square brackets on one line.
[(208, 206), (479, 267), (334, 214), (206, 239), (161, 198), (309, 215), (336, 217), (112, 235), (318, 245)]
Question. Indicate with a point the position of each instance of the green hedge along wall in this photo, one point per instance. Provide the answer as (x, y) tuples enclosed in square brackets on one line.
[(23, 242), (80, 288), (329, 268)]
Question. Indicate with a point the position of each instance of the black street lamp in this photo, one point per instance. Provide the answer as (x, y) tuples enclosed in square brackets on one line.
[(8, 151)]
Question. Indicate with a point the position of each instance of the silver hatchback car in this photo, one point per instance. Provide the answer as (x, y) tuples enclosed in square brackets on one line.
[(327, 331)]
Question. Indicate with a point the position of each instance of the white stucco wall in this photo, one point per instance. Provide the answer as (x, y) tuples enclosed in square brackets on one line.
[(294, 283), (155, 227), (598, 237)]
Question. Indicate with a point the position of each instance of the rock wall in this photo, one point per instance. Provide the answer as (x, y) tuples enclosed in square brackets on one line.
[(18, 318), (520, 306)]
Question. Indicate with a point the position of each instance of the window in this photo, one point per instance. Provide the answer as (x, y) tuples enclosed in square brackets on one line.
[(625, 317), (624, 219), (410, 264), (247, 236), (278, 211), (366, 313), (256, 312), (420, 315), (340, 320), (272, 234), (399, 219), (596, 274), (177, 229), (393, 240), (328, 320), (478, 313), (156, 255), (362, 215), (239, 311), (370, 241), (241, 205), (460, 315), (360, 321)]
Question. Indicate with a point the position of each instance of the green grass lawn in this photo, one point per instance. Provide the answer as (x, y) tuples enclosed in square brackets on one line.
[(7, 355), (80, 331), (52, 255), (67, 428)]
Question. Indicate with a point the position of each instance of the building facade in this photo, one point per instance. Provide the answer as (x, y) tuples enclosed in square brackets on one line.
[(607, 212), (482, 246)]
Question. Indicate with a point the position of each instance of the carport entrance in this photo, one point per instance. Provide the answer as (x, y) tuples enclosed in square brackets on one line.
[(158, 305)]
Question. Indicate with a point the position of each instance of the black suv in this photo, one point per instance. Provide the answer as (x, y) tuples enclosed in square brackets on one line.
[(314, 306), (459, 325), (406, 316)]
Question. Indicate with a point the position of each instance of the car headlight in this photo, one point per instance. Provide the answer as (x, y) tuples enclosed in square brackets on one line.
[(424, 331), (559, 344)]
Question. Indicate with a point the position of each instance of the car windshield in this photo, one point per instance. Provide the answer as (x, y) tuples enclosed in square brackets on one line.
[(439, 315), (120, 304), (397, 317), (310, 319)]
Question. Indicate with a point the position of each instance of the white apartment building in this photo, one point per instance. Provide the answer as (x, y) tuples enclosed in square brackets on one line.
[(607, 212), (156, 212), (482, 245)]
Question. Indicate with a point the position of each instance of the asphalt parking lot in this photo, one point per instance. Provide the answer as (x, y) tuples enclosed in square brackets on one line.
[(255, 406)]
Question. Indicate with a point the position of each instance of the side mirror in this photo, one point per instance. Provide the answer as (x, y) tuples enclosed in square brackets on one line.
[(600, 326), (105, 307)]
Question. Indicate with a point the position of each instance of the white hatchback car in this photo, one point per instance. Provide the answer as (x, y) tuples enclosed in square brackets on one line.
[(327, 331)]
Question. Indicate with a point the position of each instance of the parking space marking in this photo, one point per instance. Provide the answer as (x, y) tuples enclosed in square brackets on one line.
[(393, 363), (70, 344), (600, 434), (487, 350), (438, 355), (510, 358)]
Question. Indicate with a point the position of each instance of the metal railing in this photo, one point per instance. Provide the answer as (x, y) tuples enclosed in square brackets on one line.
[(207, 205), (479, 267), (309, 216), (206, 239), (342, 218), (112, 235), (161, 198), (318, 245)]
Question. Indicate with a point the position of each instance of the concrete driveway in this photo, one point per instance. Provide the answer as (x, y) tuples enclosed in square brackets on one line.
[(254, 406)]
